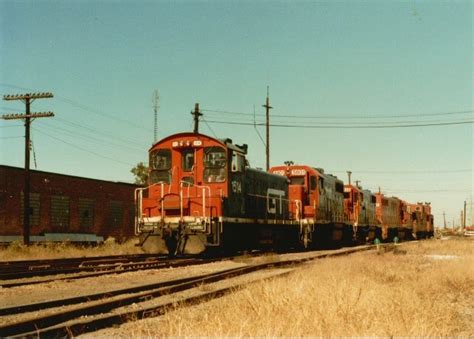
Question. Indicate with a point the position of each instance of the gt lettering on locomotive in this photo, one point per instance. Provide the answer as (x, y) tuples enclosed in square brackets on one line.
[(272, 196)]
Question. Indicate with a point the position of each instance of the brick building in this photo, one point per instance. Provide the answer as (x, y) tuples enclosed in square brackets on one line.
[(65, 207)]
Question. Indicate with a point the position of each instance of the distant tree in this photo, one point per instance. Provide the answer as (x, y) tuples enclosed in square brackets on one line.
[(140, 173)]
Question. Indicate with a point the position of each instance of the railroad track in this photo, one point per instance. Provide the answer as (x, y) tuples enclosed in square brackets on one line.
[(94, 268), (93, 312), (29, 268)]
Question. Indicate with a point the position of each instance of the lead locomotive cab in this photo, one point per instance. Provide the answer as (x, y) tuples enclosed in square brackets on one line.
[(181, 210)]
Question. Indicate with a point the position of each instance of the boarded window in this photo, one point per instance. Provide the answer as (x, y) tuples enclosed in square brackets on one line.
[(86, 214), (60, 212), (34, 209), (115, 215)]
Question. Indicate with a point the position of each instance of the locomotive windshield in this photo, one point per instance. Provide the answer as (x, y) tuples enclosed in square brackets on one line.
[(160, 162), (297, 181), (214, 164)]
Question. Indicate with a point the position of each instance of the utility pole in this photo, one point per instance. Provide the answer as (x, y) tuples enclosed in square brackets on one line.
[(156, 98), (444, 217), (464, 216), (196, 115), (267, 109), (27, 117)]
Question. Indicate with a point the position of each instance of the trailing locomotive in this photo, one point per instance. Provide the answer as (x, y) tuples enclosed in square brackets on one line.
[(316, 201), (359, 212), (203, 196)]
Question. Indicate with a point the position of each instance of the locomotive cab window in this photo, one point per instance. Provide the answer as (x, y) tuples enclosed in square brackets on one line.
[(160, 166), (297, 181), (312, 182), (187, 160), (214, 164)]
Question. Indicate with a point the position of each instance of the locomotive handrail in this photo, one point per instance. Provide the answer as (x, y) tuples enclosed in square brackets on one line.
[(204, 188), (298, 211), (299, 205), (138, 197)]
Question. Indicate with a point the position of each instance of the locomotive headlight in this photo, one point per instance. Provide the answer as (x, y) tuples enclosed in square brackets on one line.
[(197, 143), (175, 144)]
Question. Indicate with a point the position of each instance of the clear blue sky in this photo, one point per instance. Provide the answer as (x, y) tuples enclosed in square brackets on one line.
[(347, 62)]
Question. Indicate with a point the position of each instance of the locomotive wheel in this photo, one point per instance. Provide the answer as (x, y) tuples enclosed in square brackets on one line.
[(154, 244)]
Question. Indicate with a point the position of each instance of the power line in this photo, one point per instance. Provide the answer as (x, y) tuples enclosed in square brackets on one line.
[(338, 123), (92, 110), (84, 149), (212, 131), (112, 136), (297, 116), (406, 172), (86, 108), (11, 137), (411, 191), (344, 126), (11, 109), (11, 126), (87, 137)]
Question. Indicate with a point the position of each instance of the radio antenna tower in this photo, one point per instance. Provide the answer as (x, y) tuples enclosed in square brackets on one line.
[(156, 106)]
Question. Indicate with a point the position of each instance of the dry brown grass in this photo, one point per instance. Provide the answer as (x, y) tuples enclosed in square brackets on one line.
[(17, 251), (365, 294)]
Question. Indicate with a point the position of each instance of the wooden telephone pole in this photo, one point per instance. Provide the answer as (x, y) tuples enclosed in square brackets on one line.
[(196, 115), (27, 117), (267, 144)]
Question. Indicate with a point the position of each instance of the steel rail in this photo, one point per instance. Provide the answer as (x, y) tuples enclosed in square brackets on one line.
[(41, 325), (27, 269), (113, 269), (27, 264), (132, 267)]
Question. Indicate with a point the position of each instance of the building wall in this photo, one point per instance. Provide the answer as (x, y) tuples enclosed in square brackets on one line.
[(67, 204)]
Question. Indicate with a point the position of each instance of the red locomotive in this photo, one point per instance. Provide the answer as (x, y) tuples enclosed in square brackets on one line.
[(316, 202), (203, 195), (359, 212), (421, 220)]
